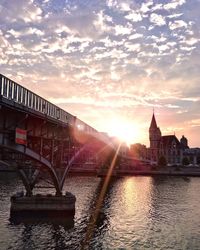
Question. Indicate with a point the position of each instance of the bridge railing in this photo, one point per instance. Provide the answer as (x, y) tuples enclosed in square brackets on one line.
[(16, 93)]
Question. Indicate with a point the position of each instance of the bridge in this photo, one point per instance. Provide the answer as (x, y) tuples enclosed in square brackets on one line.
[(43, 140)]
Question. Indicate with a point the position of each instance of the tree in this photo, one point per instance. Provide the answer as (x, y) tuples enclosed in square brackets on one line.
[(162, 161), (185, 161)]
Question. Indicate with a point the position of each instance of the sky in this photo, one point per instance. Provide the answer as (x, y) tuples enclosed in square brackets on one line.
[(109, 62)]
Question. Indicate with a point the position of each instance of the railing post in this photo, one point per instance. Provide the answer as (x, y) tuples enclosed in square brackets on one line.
[(24, 96), (5, 87), (15, 92), (33, 103), (1, 84), (27, 98), (19, 94), (10, 90)]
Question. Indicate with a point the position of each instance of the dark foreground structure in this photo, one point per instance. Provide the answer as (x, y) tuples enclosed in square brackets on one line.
[(43, 205), (44, 142)]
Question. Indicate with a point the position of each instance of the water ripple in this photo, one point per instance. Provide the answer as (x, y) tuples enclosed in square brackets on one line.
[(137, 213)]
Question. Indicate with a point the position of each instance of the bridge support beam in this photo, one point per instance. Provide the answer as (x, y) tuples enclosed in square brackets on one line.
[(26, 183)]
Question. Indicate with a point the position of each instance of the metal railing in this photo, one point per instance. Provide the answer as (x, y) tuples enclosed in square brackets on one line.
[(20, 95), (14, 92)]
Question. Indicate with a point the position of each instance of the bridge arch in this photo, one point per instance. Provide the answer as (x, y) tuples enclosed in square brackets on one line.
[(46, 125), (38, 158), (58, 183)]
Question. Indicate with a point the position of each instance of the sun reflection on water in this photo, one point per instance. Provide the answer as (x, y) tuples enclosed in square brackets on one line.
[(131, 202)]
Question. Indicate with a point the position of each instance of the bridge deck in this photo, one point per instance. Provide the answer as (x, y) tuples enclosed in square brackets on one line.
[(18, 96)]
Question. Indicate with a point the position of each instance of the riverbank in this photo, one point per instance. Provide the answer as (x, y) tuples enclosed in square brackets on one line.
[(186, 171), (154, 173)]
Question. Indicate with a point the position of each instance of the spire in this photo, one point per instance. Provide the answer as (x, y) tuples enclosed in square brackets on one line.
[(153, 124)]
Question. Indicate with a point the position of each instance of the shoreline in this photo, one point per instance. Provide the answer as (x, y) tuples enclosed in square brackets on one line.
[(123, 173), (187, 172), (154, 173)]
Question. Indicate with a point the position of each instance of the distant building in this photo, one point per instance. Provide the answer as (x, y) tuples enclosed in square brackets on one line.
[(124, 149), (138, 151), (168, 146), (193, 155)]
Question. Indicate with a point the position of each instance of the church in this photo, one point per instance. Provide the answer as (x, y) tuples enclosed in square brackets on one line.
[(168, 146)]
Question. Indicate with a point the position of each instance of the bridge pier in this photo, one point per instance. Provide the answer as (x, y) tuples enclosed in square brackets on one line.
[(42, 206)]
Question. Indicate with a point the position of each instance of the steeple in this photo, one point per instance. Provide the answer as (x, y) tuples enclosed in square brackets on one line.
[(153, 124), (154, 134)]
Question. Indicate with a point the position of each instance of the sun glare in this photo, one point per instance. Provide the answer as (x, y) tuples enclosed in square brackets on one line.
[(125, 131)]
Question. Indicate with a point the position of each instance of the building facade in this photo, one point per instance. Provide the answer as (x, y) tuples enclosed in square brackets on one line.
[(168, 146)]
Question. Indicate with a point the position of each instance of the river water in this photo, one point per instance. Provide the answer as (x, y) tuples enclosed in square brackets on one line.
[(137, 213)]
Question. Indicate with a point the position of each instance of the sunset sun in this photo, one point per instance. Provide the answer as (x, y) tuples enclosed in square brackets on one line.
[(125, 131)]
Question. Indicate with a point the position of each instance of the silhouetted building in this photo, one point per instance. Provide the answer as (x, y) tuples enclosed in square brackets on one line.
[(193, 155), (138, 151), (154, 138), (184, 142), (168, 146)]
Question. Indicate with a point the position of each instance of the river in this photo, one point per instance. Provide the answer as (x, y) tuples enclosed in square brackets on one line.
[(137, 213)]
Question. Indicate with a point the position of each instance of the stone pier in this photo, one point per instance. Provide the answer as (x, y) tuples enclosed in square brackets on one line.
[(43, 206)]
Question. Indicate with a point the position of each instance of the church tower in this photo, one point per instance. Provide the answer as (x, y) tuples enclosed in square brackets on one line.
[(184, 142), (154, 138)]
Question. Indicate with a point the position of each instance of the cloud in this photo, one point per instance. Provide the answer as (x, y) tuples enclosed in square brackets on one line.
[(177, 24), (28, 12), (133, 47), (101, 23), (107, 42), (163, 47), (146, 7), (172, 106), (135, 36), (157, 7), (25, 32), (121, 30), (194, 123), (187, 48), (191, 41), (158, 20), (125, 7), (174, 4), (175, 15), (134, 17), (128, 56)]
